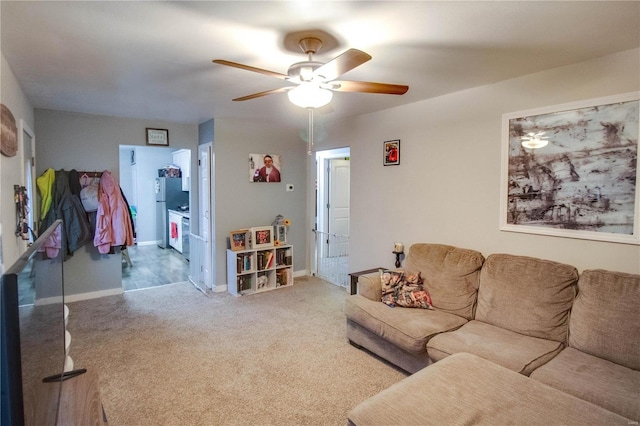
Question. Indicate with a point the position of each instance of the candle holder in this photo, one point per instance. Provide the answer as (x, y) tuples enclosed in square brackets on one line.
[(397, 253)]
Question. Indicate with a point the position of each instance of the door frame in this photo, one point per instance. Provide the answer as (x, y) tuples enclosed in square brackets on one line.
[(206, 214), (29, 175), (320, 217)]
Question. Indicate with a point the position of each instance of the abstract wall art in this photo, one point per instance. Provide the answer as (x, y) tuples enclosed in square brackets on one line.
[(583, 182)]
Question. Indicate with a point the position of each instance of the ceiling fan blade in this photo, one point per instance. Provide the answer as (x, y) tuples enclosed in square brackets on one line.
[(342, 63), (250, 68), (265, 93), (369, 87)]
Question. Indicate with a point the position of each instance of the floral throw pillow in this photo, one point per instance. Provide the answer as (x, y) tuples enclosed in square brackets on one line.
[(404, 289)]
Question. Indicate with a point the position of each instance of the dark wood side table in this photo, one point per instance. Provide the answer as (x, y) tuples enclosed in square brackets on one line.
[(355, 275)]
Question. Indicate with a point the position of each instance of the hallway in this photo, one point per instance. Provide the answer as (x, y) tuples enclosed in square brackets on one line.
[(153, 267)]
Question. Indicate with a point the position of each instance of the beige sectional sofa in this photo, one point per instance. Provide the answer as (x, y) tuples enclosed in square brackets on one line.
[(575, 335)]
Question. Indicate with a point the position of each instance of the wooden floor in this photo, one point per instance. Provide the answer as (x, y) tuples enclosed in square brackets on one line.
[(152, 267)]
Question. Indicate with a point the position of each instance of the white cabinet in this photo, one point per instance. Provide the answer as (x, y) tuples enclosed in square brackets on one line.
[(254, 271), (175, 231), (182, 159)]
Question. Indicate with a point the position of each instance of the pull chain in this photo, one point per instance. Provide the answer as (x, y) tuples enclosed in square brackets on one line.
[(310, 142)]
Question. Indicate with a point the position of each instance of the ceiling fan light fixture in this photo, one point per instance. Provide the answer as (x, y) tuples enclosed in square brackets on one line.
[(309, 95)]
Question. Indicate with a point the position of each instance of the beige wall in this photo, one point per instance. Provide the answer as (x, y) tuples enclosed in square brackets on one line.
[(447, 187)]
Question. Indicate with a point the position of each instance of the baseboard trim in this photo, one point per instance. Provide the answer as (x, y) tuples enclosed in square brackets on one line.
[(147, 243), (92, 295), (219, 288)]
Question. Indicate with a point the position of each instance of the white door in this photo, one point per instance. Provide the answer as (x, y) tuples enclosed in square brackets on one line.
[(205, 219), (338, 203)]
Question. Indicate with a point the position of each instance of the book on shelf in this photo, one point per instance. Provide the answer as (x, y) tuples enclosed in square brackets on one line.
[(282, 277), (264, 260), (244, 283), (243, 262)]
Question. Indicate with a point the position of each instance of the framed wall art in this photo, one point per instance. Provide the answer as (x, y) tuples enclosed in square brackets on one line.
[(159, 137), (391, 153), (576, 174), (264, 168), (262, 237)]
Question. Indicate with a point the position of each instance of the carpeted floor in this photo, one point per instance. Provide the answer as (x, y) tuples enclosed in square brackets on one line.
[(173, 356)]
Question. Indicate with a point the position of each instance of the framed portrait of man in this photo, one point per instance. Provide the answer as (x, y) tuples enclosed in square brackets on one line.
[(265, 168)]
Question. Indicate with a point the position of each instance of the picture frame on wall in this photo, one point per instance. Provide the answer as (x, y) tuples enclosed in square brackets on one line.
[(391, 153), (262, 237), (265, 168), (158, 137), (571, 170), (238, 239)]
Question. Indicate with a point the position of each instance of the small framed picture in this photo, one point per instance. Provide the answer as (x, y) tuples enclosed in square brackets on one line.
[(238, 239), (262, 237), (159, 137), (391, 153), (280, 232)]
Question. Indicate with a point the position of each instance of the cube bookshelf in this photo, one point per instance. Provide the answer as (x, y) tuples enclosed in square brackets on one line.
[(258, 270)]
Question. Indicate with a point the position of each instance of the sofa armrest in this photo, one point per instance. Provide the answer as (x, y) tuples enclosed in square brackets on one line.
[(370, 286)]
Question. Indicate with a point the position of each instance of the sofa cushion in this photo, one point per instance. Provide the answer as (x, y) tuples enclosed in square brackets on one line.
[(594, 379), (527, 295), (450, 274), (515, 351), (467, 390), (604, 320), (407, 328)]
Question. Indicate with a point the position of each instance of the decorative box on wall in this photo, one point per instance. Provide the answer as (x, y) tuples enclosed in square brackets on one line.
[(257, 270)]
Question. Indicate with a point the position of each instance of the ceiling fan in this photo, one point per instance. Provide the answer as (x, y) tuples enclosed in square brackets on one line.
[(314, 82), (535, 140)]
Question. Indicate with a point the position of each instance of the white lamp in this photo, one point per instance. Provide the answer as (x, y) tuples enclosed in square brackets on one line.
[(309, 95)]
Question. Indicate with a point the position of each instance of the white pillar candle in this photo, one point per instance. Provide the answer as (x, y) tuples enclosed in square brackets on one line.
[(398, 247)]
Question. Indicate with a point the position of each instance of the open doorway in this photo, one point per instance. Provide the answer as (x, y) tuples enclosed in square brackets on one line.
[(331, 260), (160, 254), (27, 142)]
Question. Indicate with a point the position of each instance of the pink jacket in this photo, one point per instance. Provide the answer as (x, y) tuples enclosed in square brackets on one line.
[(52, 245), (113, 224)]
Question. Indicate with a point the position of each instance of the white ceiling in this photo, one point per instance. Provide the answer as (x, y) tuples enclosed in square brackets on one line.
[(152, 60)]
